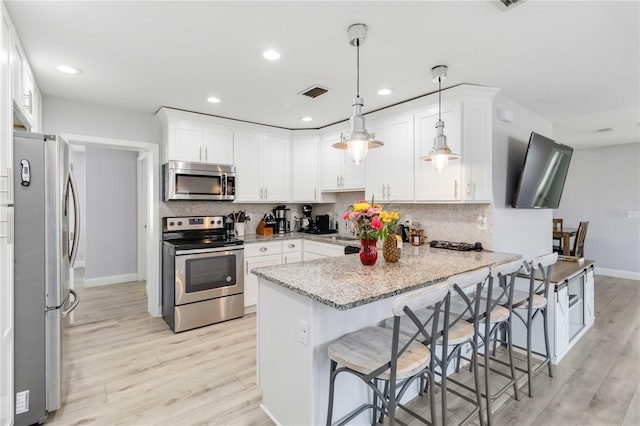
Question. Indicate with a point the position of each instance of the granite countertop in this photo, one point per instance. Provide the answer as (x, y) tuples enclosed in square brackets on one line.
[(324, 238), (344, 283)]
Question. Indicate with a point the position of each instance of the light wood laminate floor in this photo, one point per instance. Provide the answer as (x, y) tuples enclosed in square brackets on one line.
[(133, 370)]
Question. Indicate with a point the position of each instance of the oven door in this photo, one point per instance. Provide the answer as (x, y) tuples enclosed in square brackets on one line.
[(208, 274)]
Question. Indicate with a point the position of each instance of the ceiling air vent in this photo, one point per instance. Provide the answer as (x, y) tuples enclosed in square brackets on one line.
[(508, 4), (314, 92)]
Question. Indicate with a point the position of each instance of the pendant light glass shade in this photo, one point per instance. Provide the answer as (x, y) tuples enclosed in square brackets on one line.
[(440, 154), (358, 141)]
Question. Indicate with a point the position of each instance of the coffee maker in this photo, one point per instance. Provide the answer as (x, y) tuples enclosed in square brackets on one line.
[(305, 220), (283, 217)]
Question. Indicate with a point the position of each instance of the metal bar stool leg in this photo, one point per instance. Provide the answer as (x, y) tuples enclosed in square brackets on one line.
[(332, 378), (509, 336), (546, 340), (529, 372)]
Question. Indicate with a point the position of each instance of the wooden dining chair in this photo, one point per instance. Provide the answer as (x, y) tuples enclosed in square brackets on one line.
[(557, 227), (578, 243)]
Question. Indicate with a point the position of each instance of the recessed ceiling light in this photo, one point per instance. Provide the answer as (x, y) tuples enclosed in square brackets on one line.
[(384, 92), (307, 119), (213, 100), (271, 55), (68, 69)]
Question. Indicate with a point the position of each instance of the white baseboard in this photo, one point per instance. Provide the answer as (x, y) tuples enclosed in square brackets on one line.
[(618, 273), (112, 279)]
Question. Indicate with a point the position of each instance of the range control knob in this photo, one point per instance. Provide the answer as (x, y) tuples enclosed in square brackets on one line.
[(212, 222), (219, 222), (171, 223), (179, 223)]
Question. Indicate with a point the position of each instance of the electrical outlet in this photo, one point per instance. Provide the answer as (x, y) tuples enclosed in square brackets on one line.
[(482, 223), (304, 332)]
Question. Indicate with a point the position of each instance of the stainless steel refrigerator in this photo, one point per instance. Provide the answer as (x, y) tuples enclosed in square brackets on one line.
[(46, 205)]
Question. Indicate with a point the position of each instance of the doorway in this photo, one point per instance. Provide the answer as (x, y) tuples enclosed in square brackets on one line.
[(147, 247)]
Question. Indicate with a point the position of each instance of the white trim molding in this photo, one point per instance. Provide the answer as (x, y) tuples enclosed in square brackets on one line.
[(111, 279), (618, 273), (152, 194)]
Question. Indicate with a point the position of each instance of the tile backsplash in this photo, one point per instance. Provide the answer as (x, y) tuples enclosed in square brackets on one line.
[(452, 222)]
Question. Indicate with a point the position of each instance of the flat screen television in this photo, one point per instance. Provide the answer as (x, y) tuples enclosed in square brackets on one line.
[(543, 174)]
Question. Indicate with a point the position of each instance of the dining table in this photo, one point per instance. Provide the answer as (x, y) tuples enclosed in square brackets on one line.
[(565, 235)]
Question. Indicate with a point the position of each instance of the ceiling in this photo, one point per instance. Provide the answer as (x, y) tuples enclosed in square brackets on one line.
[(574, 63)]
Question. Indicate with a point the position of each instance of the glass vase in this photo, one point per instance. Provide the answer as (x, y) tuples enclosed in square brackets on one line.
[(368, 252)]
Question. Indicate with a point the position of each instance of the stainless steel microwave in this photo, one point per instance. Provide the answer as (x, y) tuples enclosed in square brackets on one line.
[(198, 181)]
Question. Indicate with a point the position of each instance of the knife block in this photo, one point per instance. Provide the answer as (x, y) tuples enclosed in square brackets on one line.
[(263, 229)]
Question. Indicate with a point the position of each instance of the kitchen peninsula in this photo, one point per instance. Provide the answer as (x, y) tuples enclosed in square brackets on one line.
[(304, 306)]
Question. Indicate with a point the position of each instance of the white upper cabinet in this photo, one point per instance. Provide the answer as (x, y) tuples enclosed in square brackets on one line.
[(23, 85), (189, 137), (217, 145), (247, 162), (477, 162), (338, 172), (389, 169), (304, 169), (262, 167), (275, 167), (431, 185)]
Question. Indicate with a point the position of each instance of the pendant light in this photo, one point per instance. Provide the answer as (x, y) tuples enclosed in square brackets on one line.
[(441, 153), (359, 140)]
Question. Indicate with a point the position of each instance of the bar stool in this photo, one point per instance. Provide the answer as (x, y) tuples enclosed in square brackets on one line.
[(499, 299), (376, 354), (535, 302), (456, 333)]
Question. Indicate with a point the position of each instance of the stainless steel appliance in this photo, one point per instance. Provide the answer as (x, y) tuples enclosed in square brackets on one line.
[(283, 219), (45, 203), (202, 275), (198, 181), (305, 220)]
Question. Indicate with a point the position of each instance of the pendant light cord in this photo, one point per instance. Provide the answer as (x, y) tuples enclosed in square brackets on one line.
[(358, 67), (439, 98)]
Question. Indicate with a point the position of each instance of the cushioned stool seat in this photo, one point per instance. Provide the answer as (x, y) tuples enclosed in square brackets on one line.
[(369, 348)]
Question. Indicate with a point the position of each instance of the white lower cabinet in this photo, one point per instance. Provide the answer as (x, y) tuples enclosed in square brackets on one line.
[(256, 256)]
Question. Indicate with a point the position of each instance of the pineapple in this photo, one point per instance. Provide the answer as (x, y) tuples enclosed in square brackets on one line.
[(390, 249)]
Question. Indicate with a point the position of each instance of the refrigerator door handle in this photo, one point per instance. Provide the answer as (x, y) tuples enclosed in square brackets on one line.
[(74, 304), (76, 222)]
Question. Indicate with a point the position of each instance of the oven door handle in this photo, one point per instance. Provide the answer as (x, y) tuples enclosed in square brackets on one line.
[(209, 250)]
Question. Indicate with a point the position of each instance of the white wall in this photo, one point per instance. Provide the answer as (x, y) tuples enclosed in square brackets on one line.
[(111, 221), (603, 184), (65, 116), (523, 231)]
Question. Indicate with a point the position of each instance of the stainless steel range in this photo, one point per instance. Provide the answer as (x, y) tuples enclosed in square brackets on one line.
[(202, 276)]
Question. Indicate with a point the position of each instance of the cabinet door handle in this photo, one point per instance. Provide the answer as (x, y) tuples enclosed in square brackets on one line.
[(455, 188), (469, 189), (388, 192), (342, 181), (261, 193), (266, 197), (315, 194), (384, 191), (9, 185), (337, 181), (263, 249), (246, 266), (292, 246), (200, 153), (206, 154), (285, 260)]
